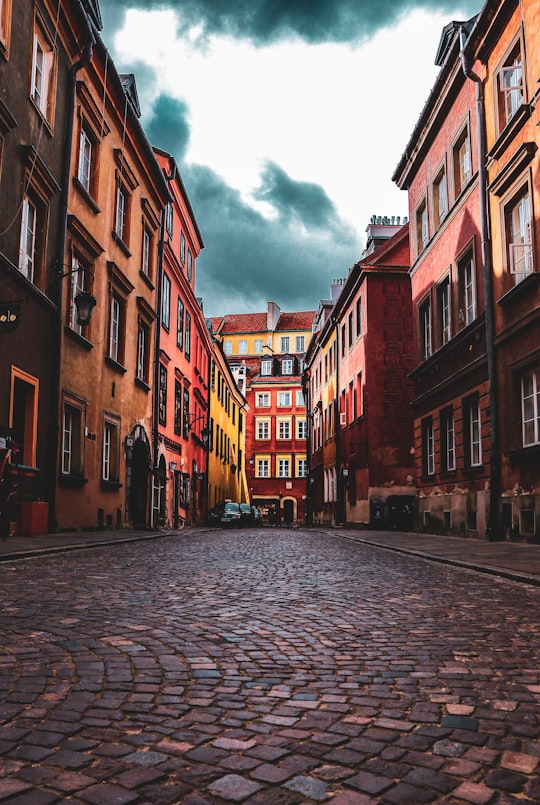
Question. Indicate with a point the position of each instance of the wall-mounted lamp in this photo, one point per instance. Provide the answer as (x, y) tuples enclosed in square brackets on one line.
[(84, 301)]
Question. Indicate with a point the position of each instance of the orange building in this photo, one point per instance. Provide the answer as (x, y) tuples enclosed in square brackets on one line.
[(503, 58), (116, 196)]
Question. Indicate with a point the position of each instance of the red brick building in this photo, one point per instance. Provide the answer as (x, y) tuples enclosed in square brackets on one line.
[(359, 395), (440, 171)]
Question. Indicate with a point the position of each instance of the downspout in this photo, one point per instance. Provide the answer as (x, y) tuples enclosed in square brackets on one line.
[(340, 507), (86, 57), (306, 388), (493, 525)]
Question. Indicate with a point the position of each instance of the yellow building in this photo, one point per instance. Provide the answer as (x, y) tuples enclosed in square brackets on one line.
[(227, 439)]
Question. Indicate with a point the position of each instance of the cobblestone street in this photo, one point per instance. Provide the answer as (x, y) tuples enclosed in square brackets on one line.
[(272, 666)]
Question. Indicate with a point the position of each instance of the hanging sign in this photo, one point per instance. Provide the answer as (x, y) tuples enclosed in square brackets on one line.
[(10, 313)]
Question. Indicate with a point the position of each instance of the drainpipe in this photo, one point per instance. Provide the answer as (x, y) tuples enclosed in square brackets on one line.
[(340, 503), (493, 526), (306, 388), (86, 57)]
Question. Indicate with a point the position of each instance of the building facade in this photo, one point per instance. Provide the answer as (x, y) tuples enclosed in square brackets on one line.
[(43, 45), (358, 394), (265, 352), (502, 54), (117, 192), (183, 365), (440, 169)]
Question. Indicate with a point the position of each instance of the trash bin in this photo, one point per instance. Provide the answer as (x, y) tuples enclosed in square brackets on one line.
[(376, 519)]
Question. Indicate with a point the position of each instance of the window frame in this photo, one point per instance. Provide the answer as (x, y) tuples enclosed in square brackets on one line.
[(467, 288), (503, 93), (428, 447), (440, 183), (110, 449), (532, 418), (281, 396), (43, 77), (462, 168), (512, 233)]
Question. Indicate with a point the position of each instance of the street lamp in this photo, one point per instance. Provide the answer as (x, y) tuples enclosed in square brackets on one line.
[(84, 301)]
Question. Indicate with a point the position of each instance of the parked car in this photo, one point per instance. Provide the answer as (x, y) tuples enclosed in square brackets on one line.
[(246, 514), (231, 514), (214, 515)]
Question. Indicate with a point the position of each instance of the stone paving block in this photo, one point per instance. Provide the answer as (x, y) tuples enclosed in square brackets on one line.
[(405, 794), (11, 786), (475, 793), (519, 761), (106, 794), (369, 783), (309, 787), (506, 780), (233, 788)]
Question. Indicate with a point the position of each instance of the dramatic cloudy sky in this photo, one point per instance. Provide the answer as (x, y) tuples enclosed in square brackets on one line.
[(287, 118)]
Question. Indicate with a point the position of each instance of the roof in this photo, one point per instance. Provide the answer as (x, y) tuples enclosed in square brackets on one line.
[(239, 323), (296, 321)]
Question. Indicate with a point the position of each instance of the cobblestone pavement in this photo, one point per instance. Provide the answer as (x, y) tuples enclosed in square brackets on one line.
[(272, 666)]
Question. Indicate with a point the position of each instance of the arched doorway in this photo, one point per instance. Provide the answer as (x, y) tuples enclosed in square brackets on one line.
[(138, 470)]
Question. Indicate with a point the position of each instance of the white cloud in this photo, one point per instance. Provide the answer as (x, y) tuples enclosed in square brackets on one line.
[(336, 115)]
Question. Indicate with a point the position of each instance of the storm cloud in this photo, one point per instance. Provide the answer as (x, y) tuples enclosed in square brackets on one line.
[(266, 21), (251, 259)]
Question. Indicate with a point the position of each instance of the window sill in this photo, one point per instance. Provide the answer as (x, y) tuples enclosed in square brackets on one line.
[(110, 486), (509, 132), (123, 246), (117, 367), (142, 384), (522, 287), (81, 189), (147, 280), (78, 338), (531, 451), (72, 481)]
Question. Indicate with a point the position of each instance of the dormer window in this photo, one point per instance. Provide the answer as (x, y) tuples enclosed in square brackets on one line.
[(266, 368), (287, 366)]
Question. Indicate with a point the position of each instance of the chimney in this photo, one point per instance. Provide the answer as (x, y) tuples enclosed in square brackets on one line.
[(272, 316)]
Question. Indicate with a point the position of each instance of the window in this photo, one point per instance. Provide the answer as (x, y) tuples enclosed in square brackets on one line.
[(286, 366), (425, 330), (359, 317), (186, 423), (263, 429), (301, 428), (300, 401), (182, 248), (284, 468), (472, 431), (84, 170), (259, 343), (530, 407), (187, 337), (115, 329), (443, 301), (169, 217), (162, 400), (143, 348), (462, 162), (77, 285), (177, 407), (110, 456), (27, 243), (166, 302), (263, 468), (121, 219), (343, 340), (189, 265), (448, 447), (146, 252), (43, 78), (300, 341), (5, 25), (228, 347), (510, 94), (284, 429), (440, 198), (242, 346), (301, 468), (263, 399), (428, 447), (180, 324), (284, 399), (284, 343), (72, 439), (466, 291), (350, 327), (266, 368), (422, 231), (517, 217)]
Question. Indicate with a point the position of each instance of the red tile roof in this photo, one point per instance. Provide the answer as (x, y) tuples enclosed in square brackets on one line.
[(235, 323), (296, 321)]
